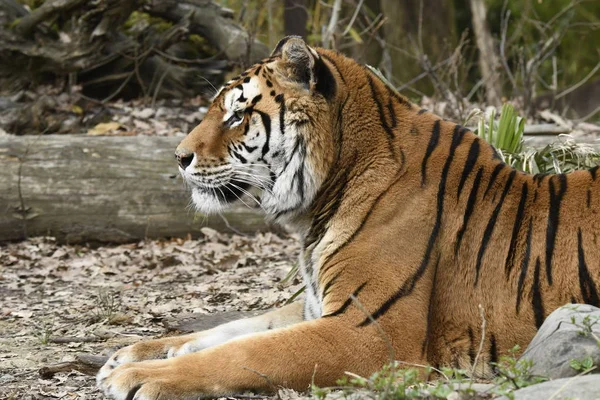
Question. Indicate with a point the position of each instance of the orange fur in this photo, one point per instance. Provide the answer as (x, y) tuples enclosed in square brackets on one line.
[(415, 216)]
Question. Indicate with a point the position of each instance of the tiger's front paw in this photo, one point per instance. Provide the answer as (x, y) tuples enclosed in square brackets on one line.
[(145, 380), (191, 346), (150, 350)]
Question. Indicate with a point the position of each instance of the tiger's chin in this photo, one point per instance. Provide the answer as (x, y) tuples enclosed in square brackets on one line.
[(207, 203)]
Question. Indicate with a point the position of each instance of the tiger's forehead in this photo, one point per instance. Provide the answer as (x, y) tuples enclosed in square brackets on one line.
[(242, 89), (241, 95)]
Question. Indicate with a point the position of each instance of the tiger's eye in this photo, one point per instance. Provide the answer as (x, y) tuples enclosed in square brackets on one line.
[(235, 118)]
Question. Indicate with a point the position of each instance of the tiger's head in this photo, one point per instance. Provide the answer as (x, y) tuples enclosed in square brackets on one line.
[(267, 136)]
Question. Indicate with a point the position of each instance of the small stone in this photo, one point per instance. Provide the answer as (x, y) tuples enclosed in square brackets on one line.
[(563, 337), (477, 387)]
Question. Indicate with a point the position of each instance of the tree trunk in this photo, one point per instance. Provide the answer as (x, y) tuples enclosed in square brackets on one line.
[(428, 33), (295, 16), (489, 63), (100, 189)]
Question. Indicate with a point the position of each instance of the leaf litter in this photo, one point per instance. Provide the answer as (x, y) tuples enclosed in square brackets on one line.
[(57, 301)]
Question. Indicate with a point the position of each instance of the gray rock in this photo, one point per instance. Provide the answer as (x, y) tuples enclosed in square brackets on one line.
[(575, 388), (464, 391), (559, 341), (477, 387)]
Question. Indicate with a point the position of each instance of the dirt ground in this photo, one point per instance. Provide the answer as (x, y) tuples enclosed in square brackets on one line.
[(57, 301)]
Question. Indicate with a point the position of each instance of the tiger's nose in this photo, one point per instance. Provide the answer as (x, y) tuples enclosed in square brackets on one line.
[(184, 158)]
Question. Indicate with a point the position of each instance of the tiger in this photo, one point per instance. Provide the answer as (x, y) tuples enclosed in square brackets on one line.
[(412, 229)]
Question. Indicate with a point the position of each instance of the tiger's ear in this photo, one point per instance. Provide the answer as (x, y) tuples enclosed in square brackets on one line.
[(297, 59), (301, 63)]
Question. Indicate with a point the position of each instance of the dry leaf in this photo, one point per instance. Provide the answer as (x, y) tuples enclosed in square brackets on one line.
[(104, 128), (124, 293)]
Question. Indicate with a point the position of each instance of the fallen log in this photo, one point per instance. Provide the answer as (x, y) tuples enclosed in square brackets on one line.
[(81, 188), (546, 129)]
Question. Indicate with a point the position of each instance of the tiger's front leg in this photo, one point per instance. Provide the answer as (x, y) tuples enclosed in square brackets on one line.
[(179, 345), (320, 350)]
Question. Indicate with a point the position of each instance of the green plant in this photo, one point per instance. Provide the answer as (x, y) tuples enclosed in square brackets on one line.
[(108, 304), (585, 365), (455, 380), (44, 332), (586, 326), (391, 382), (394, 382), (562, 156), (513, 374), (506, 134)]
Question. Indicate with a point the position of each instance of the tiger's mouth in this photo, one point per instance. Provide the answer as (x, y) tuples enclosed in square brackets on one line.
[(227, 192), (214, 190), (217, 195), (218, 182)]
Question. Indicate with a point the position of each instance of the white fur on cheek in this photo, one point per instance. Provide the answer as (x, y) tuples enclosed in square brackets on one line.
[(293, 172)]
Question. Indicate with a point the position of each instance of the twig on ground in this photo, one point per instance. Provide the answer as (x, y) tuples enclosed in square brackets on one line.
[(567, 383), (74, 339), (439, 371), (85, 363), (545, 129), (483, 326)]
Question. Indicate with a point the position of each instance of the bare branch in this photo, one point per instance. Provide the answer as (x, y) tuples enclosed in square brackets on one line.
[(358, 7), (578, 84), (504, 29), (335, 16)]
